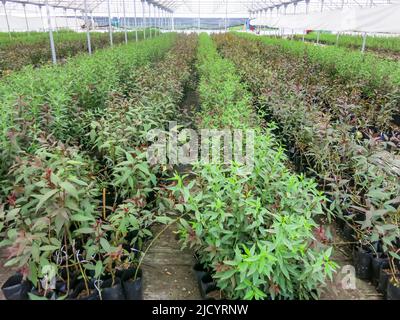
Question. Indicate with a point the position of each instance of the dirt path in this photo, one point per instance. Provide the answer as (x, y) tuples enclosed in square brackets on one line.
[(167, 270)]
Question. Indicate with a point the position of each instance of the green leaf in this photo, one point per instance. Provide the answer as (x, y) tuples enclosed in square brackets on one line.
[(44, 198), (82, 218), (105, 245), (98, 269), (84, 230), (69, 187), (49, 248)]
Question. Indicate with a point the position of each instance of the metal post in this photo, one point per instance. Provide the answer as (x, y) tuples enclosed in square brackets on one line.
[(162, 19), (8, 23), (307, 6), (52, 46), (41, 17), (143, 21), (159, 20), (26, 19), (66, 18), (109, 23), (172, 21), (76, 21), (92, 20), (150, 24), (226, 12), (135, 19), (337, 39), (55, 19), (89, 45), (364, 42), (198, 22), (322, 5), (318, 33), (124, 12)]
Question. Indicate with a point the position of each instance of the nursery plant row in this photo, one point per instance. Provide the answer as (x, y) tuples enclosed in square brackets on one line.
[(357, 171), (34, 49), (79, 209), (371, 109), (390, 45), (345, 65), (52, 97), (254, 233)]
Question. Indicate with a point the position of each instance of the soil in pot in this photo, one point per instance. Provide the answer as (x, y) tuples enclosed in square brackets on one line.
[(50, 295), (112, 290), (133, 288), (377, 263), (362, 262), (393, 289), (348, 232), (16, 288), (80, 293)]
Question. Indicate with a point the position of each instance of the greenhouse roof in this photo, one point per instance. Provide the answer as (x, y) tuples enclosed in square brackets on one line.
[(188, 8)]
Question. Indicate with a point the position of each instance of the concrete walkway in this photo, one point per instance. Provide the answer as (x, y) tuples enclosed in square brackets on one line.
[(167, 270)]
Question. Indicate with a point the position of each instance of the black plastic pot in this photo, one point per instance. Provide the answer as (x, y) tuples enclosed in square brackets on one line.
[(199, 271), (362, 263), (383, 281), (50, 295), (206, 285), (112, 290), (133, 288), (396, 119), (377, 263), (393, 291), (348, 232), (16, 288)]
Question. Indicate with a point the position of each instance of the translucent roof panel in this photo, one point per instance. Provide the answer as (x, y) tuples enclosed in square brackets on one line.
[(195, 8)]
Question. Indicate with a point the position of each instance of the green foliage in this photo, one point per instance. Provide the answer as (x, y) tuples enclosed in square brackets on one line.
[(254, 230), (349, 65), (33, 48), (373, 43), (361, 175)]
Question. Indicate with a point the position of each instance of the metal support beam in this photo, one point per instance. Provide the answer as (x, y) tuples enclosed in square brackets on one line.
[(52, 46), (125, 30), (364, 42), (150, 24), (109, 22), (135, 20), (66, 18), (143, 21), (55, 19), (26, 18), (76, 21), (198, 22), (89, 44), (41, 17), (6, 15), (226, 15)]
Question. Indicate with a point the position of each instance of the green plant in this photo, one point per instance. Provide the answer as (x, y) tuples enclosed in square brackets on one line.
[(253, 229)]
